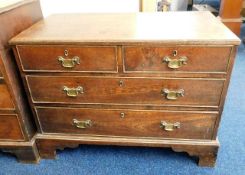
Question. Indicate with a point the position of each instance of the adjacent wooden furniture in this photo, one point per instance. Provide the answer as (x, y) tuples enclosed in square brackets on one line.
[(127, 79), (16, 123), (230, 14)]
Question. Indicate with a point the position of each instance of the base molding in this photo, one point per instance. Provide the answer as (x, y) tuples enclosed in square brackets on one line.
[(25, 152), (206, 150)]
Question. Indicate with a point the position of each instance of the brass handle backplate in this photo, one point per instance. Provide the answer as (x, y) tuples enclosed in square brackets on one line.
[(68, 62), (73, 92), (175, 63), (173, 94), (169, 126), (82, 124)]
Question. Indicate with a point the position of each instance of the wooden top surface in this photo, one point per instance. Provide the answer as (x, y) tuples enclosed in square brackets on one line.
[(126, 28)]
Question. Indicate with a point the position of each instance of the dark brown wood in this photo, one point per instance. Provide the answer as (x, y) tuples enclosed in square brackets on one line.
[(205, 150), (10, 128), (226, 85), (147, 91), (134, 122), (16, 91), (92, 59), (26, 152), (135, 90), (200, 59), (16, 123)]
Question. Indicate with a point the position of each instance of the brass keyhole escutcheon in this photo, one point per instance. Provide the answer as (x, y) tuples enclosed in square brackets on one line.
[(122, 114), (66, 53), (121, 83), (175, 53)]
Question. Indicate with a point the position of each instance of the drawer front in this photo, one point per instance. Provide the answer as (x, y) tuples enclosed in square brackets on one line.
[(128, 91), (177, 59), (68, 59), (142, 123), (5, 98), (10, 128)]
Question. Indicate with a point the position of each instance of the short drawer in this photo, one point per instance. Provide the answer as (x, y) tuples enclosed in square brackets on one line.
[(68, 58), (127, 91), (138, 123), (177, 59), (5, 98), (10, 128)]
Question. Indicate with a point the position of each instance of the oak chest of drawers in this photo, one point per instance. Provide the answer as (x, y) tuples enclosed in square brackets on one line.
[(127, 79)]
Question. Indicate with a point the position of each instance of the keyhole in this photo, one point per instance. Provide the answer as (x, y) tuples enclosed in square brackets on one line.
[(175, 53), (66, 53), (121, 83), (122, 114)]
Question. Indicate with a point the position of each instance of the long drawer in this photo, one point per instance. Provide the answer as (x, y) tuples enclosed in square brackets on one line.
[(176, 59), (5, 98), (68, 58), (10, 128), (128, 91), (138, 123)]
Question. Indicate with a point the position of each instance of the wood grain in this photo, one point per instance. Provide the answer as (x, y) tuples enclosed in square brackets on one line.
[(205, 150), (5, 98), (142, 91), (10, 128), (26, 152), (135, 123), (140, 41), (120, 28), (200, 59), (92, 59), (16, 124)]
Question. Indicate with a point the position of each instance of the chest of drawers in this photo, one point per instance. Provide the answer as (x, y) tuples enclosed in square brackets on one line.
[(16, 123), (127, 79)]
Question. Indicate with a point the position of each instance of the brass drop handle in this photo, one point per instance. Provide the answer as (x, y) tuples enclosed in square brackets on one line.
[(173, 94), (175, 63), (73, 92), (82, 124), (68, 62), (169, 126)]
